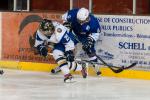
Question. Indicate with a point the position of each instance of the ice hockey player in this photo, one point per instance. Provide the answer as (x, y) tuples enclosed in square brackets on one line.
[(86, 30), (52, 32)]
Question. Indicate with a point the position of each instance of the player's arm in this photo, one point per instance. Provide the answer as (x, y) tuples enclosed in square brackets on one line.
[(96, 30), (69, 47), (92, 38), (40, 45), (66, 21), (95, 35), (44, 32), (64, 17), (69, 17)]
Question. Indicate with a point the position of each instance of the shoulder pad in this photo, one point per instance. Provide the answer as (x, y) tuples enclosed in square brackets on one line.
[(56, 23), (60, 30)]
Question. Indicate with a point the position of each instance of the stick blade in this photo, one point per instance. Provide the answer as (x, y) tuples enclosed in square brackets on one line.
[(119, 70), (123, 68), (132, 65)]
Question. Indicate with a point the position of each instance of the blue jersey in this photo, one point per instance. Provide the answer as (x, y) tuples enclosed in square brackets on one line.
[(92, 27)]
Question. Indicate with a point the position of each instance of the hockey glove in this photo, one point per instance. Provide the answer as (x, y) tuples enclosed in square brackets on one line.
[(68, 25), (69, 56), (88, 44), (43, 51)]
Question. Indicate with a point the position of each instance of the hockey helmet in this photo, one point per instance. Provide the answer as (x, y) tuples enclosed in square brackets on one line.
[(83, 15), (47, 26)]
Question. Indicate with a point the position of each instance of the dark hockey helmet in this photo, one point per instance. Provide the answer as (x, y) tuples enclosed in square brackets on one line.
[(46, 25)]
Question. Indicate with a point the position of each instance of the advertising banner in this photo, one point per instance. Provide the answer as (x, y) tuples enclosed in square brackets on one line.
[(124, 40), (18, 31)]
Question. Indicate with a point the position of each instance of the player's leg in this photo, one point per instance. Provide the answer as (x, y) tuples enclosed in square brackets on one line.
[(96, 66), (83, 70), (77, 66), (63, 65), (56, 70), (92, 57)]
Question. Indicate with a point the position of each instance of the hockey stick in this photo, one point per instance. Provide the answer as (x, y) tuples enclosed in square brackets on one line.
[(115, 69)]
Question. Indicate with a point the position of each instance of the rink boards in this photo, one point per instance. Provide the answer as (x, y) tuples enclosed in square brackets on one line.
[(30, 66), (124, 39)]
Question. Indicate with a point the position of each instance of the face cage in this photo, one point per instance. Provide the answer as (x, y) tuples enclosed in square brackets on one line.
[(48, 32), (85, 21)]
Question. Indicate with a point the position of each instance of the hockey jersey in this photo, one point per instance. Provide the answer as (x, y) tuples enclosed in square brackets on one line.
[(91, 28), (60, 36)]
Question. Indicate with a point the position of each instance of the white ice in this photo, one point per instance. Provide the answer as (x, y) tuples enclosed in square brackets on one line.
[(26, 85)]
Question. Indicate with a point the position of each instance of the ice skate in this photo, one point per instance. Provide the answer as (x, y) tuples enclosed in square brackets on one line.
[(68, 78), (84, 71), (97, 70), (56, 70), (1, 72)]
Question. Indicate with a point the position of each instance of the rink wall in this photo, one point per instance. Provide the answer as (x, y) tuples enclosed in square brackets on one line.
[(124, 39), (0, 35)]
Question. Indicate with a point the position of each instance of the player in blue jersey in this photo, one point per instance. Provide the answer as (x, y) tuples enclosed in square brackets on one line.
[(86, 30), (53, 34)]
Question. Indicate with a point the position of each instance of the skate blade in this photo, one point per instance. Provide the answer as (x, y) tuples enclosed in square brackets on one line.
[(70, 81)]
